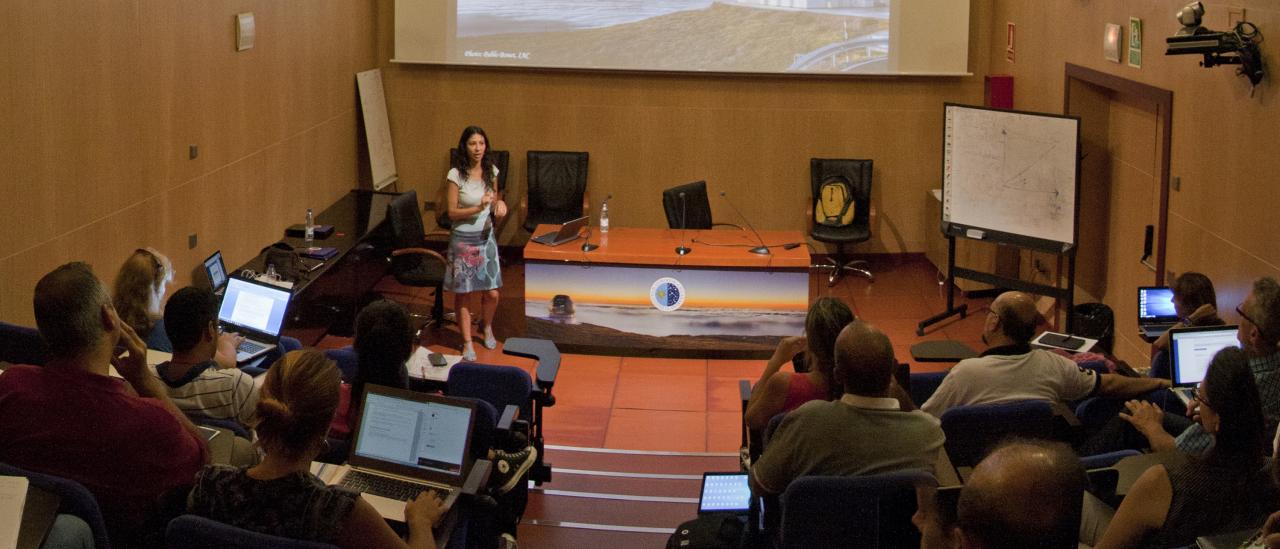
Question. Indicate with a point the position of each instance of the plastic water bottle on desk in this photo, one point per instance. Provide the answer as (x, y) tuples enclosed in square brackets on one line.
[(604, 217), (309, 232)]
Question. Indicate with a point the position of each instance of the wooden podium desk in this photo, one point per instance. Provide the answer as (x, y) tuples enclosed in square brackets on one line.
[(634, 295)]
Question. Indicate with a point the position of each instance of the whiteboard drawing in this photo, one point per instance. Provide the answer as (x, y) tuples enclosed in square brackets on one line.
[(1010, 172)]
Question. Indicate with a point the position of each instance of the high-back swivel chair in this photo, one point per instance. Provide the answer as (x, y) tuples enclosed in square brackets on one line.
[(857, 173), (412, 263), (557, 188), (693, 210)]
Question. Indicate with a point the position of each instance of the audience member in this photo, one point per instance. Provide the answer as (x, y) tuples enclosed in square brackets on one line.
[(1226, 490), (1009, 370), (139, 292), (1258, 334), (72, 419), (197, 384), (779, 391), (1196, 305), (383, 343), (280, 496), (1025, 494), (849, 436)]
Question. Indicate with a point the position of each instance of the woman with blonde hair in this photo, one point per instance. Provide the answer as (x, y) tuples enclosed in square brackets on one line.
[(280, 496), (139, 292)]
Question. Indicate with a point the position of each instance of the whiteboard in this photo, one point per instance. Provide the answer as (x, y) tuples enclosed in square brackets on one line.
[(377, 132), (1010, 176)]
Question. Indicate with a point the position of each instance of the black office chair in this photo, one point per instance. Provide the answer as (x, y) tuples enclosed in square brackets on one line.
[(501, 159), (411, 263), (857, 174), (691, 212), (557, 188)]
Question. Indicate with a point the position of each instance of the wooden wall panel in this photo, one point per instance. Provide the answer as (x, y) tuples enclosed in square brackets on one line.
[(751, 136), (102, 99), (1223, 139)]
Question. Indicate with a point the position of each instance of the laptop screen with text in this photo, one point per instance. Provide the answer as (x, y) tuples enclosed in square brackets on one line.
[(429, 436), (1192, 349), (256, 307)]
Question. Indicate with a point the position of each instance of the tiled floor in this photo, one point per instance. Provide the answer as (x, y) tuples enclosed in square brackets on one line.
[(692, 405)]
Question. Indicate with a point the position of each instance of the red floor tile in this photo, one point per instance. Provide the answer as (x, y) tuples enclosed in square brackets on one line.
[(724, 431), (657, 430), (587, 381), (569, 425), (723, 394)]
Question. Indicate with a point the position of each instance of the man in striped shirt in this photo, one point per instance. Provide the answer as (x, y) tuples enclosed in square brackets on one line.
[(195, 383)]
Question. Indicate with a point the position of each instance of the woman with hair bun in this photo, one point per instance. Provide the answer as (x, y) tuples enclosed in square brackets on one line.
[(280, 496)]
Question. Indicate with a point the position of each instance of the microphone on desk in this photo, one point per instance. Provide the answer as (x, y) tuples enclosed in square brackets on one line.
[(684, 225), (588, 246), (762, 249)]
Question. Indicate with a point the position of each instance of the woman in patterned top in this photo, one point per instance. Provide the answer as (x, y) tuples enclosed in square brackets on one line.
[(474, 205), (1226, 490), (280, 496)]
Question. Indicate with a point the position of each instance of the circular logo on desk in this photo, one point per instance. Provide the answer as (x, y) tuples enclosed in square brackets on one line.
[(667, 294)]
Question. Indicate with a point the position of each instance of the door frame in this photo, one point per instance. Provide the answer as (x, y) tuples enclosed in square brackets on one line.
[(1163, 101)]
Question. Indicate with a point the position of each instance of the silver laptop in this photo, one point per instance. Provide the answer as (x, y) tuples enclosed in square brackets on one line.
[(406, 442), (1190, 352), (1156, 313), (567, 232), (217, 272), (256, 311)]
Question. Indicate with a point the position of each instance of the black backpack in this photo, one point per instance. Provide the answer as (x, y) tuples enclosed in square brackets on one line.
[(710, 531)]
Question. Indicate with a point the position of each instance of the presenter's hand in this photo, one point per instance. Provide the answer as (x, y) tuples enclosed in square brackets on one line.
[(424, 511), (500, 209), (486, 199)]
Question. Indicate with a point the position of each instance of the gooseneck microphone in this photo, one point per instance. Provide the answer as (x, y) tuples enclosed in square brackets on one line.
[(762, 249), (587, 246), (684, 225)]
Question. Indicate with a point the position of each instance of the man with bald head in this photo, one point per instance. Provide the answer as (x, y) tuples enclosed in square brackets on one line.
[(1024, 494), (847, 437), (1009, 370)]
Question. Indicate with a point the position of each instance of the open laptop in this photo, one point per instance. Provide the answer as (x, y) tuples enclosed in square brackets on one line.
[(1156, 313), (256, 311), (567, 232), (725, 493), (406, 442), (1191, 350), (217, 272)]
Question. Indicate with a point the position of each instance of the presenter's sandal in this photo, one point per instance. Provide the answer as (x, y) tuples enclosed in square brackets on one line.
[(468, 353), (490, 342)]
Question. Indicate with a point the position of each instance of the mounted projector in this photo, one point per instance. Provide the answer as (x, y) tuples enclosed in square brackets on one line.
[(1237, 47)]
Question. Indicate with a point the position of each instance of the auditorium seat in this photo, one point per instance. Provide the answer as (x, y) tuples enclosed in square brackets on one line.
[(866, 511), (556, 188), (857, 173)]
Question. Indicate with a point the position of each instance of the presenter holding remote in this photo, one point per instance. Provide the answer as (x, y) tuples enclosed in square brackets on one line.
[(473, 249)]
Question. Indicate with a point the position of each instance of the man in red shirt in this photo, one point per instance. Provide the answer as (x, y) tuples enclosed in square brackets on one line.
[(126, 442)]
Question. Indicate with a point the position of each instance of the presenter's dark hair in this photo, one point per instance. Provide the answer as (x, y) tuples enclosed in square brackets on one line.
[(383, 342), (462, 161), (1193, 290), (187, 314)]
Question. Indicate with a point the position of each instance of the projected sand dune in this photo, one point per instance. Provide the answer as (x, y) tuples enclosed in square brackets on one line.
[(721, 37)]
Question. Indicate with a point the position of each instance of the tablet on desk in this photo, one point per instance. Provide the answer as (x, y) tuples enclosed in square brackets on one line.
[(724, 493)]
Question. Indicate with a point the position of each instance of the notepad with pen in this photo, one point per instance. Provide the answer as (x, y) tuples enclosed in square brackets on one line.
[(322, 254)]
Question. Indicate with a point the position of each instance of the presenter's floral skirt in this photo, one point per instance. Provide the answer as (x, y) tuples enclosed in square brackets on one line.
[(473, 262)]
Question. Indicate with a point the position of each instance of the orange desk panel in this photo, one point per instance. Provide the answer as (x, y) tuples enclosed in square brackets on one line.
[(634, 296), (643, 246)]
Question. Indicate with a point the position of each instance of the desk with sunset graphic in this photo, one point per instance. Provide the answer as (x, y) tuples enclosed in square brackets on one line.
[(635, 296)]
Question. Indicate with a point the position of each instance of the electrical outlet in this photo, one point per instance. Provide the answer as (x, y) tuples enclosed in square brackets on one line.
[(191, 241), (1176, 183), (1234, 17), (193, 151)]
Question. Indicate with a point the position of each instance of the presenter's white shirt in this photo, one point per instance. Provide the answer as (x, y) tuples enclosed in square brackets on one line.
[(1005, 375), (470, 192)]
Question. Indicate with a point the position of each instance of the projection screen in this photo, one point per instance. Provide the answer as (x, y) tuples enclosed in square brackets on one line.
[(929, 37)]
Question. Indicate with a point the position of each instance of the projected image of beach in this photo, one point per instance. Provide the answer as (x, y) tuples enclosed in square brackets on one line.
[(823, 36), (700, 309)]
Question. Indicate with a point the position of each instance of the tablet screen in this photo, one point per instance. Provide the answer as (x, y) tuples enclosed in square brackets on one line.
[(724, 493)]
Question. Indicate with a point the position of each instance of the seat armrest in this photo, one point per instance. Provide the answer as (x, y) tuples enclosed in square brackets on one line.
[(478, 477), (436, 232), (744, 392), (1063, 411), (718, 224), (419, 251), (543, 351), (509, 414)]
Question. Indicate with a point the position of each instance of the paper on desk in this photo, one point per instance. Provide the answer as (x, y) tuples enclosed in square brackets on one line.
[(13, 496), (419, 367)]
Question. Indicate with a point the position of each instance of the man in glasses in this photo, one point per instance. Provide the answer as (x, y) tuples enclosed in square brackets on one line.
[(1259, 334)]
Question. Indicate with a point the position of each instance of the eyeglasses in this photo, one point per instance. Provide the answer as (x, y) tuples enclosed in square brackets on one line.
[(1200, 396), (1240, 311)]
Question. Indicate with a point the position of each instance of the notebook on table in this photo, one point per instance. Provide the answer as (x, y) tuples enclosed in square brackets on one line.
[(1190, 352), (217, 271), (566, 233), (256, 311), (406, 442), (1156, 313)]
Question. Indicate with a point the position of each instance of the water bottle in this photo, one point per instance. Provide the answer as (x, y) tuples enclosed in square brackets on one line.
[(604, 217), (309, 233)]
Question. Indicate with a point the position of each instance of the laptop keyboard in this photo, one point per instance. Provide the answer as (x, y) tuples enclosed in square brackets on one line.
[(249, 347), (384, 486), (546, 238)]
